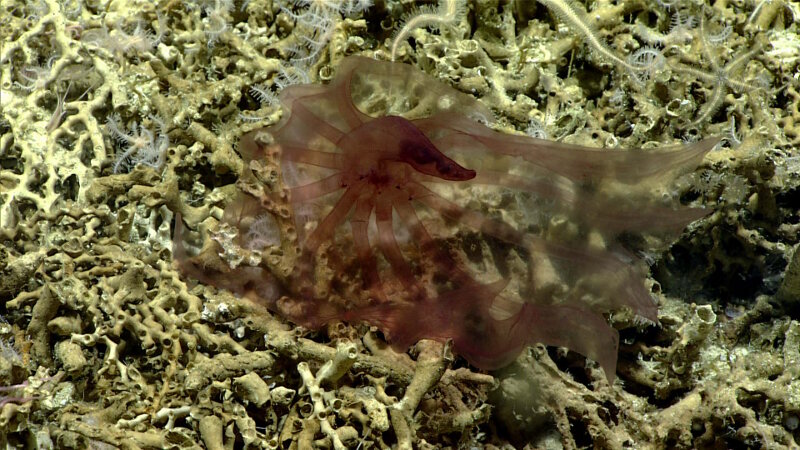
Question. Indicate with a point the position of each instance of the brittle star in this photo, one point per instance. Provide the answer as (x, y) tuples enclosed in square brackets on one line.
[(722, 78)]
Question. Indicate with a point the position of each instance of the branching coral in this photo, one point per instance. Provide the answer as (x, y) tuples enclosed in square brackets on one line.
[(151, 361)]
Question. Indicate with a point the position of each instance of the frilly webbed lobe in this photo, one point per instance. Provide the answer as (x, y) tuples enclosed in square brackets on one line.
[(413, 216)]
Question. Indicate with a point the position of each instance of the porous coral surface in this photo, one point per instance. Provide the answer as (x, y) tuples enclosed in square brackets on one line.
[(117, 116)]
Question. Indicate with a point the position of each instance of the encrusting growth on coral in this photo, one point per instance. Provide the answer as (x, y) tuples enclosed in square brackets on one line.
[(141, 145)]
